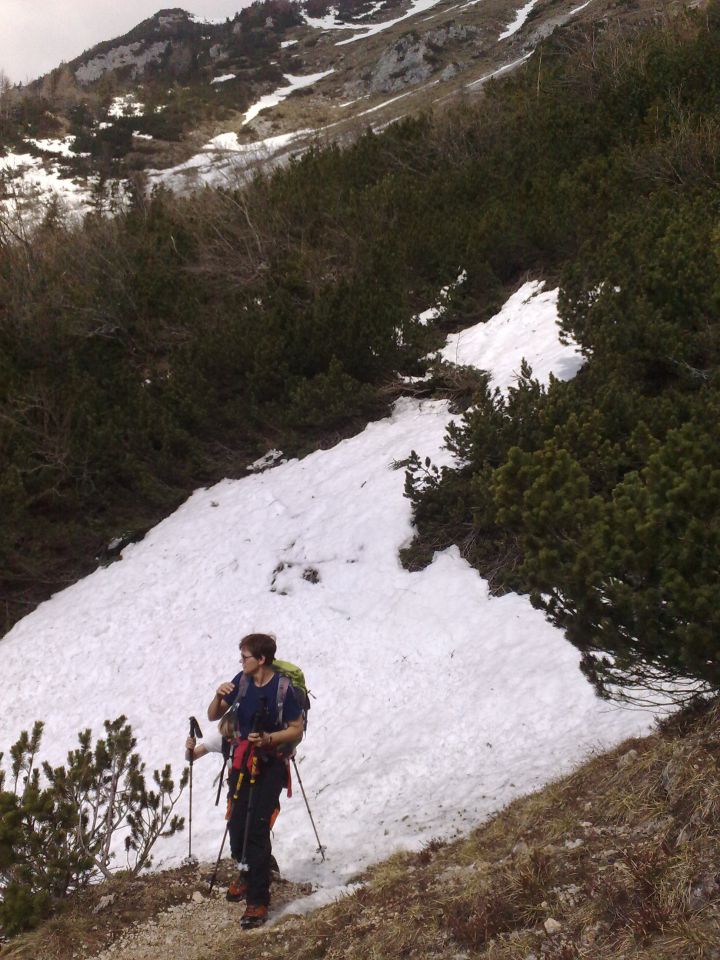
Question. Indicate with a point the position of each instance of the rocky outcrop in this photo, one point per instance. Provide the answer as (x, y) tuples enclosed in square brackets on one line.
[(167, 38), (135, 56), (415, 57)]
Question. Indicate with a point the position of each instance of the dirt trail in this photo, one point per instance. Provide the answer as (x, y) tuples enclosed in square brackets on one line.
[(198, 929)]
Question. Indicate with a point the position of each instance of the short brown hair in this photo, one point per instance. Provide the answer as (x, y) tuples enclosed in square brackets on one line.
[(260, 645)]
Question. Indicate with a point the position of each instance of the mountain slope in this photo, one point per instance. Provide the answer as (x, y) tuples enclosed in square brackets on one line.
[(308, 549), (186, 100), (619, 859)]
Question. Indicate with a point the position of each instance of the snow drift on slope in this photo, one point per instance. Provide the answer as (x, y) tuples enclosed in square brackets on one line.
[(435, 702)]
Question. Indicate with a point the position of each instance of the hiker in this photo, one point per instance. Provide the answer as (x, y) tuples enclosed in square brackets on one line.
[(268, 725)]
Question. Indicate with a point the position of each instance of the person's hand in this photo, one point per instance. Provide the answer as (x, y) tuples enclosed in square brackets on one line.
[(224, 689), (260, 740), (190, 743)]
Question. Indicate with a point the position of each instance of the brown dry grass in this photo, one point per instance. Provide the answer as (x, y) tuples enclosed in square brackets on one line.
[(83, 924), (623, 856), (619, 860)]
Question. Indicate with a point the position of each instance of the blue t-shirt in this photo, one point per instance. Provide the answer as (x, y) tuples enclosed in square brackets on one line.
[(263, 699)]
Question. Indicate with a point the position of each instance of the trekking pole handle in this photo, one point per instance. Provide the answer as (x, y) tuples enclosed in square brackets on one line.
[(195, 732)]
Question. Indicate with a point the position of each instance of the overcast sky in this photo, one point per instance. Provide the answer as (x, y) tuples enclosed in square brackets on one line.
[(36, 35)]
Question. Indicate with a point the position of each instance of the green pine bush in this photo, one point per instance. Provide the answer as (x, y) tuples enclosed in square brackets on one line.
[(58, 824)]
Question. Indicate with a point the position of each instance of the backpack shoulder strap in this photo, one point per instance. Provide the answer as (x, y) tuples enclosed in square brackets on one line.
[(241, 691), (282, 690)]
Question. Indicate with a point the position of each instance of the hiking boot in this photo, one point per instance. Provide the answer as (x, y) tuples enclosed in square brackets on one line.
[(237, 890), (255, 915)]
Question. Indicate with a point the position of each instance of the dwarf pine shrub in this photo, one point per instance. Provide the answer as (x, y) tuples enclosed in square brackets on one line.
[(59, 826), (599, 496)]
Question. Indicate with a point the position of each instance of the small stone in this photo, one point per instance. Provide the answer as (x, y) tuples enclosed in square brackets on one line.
[(197, 897), (552, 926), (521, 849), (626, 759), (104, 902)]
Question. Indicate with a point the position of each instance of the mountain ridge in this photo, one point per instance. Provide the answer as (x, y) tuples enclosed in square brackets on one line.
[(187, 82)]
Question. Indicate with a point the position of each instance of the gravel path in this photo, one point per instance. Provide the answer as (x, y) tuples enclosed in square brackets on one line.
[(194, 930)]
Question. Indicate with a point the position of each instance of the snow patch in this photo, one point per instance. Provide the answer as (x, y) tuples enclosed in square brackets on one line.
[(223, 160), (62, 147), (126, 106), (152, 637), (436, 311), (525, 329), (521, 16), (32, 186), (417, 6), (277, 96), (501, 70)]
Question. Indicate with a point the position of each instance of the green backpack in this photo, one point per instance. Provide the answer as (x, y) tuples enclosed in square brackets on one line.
[(295, 678)]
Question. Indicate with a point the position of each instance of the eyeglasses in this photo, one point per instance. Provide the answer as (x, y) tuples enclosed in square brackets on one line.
[(247, 656)]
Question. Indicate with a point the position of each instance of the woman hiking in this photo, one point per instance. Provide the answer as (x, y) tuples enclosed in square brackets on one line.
[(268, 725)]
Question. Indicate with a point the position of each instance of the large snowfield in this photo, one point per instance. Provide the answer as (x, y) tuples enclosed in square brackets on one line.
[(435, 703)]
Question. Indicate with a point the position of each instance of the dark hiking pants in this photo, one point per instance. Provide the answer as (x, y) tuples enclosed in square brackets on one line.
[(262, 799)]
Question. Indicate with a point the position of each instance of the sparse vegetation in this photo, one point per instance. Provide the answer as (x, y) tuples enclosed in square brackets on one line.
[(59, 826), (619, 859)]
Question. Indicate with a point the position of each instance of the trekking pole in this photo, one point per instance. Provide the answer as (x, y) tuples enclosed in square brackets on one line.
[(231, 807), (251, 803), (195, 732), (321, 848), (213, 878), (220, 784), (254, 768)]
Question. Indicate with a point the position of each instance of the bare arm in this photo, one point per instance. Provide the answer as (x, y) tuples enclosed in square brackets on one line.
[(218, 705), (197, 751)]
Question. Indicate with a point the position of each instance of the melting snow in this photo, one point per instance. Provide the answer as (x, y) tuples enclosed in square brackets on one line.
[(501, 70), (30, 185), (126, 106), (520, 18), (223, 160), (62, 147), (432, 313), (525, 328), (331, 22), (272, 99), (417, 6), (436, 703)]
